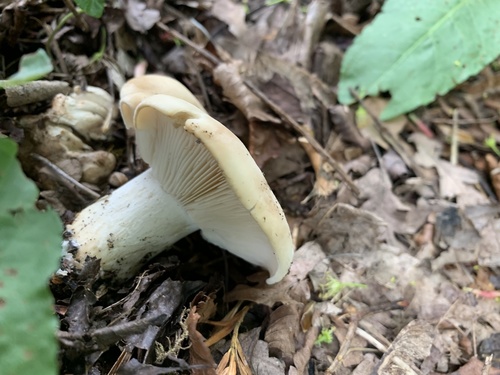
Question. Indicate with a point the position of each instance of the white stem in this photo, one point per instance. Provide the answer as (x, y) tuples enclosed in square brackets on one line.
[(133, 224)]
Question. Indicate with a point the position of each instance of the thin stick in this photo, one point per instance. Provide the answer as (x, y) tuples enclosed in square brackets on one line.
[(65, 178), (344, 348), (78, 16), (447, 121), (209, 56), (304, 133), (454, 139), (386, 135)]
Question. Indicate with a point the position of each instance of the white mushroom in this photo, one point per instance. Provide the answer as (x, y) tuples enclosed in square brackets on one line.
[(201, 178)]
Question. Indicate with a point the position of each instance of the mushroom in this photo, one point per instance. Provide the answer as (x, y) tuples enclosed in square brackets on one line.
[(88, 112), (202, 177)]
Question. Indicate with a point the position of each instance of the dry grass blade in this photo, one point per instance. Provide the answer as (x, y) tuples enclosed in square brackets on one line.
[(234, 361)]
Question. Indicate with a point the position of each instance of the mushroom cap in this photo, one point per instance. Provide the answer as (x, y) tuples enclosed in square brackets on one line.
[(213, 176), (139, 88)]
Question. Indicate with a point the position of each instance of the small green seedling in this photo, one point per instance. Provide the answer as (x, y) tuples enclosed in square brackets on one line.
[(325, 336), (334, 287), (492, 144)]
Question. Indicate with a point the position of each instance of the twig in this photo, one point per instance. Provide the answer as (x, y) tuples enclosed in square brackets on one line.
[(52, 44), (386, 135), (276, 108), (454, 139), (422, 126), (300, 129), (209, 56), (66, 179), (344, 348), (447, 121), (487, 365), (78, 16), (372, 340)]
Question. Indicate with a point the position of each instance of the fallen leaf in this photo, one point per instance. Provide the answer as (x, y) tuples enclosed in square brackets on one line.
[(232, 14), (199, 353), (412, 344), (304, 261), (139, 16), (475, 367), (281, 333), (229, 77)]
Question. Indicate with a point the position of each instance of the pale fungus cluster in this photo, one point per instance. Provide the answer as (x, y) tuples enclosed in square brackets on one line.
[(61, 134)]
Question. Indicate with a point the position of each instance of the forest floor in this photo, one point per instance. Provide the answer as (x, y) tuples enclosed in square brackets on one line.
[(397, 265)]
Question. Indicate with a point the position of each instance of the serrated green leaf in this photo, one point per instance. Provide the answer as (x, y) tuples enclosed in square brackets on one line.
[(416, 50), (30, 244), (31, 67), (93, 8)]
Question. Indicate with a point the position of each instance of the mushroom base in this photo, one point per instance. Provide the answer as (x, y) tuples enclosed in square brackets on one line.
[(128, 227)]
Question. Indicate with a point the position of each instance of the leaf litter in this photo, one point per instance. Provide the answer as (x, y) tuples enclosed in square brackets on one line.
[(405, 274)]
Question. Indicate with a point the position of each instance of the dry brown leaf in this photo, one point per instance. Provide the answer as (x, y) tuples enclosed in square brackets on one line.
[(205, 306), (229, 77), (413, 344), (494, 170), (263, 142), (234, 361), (458, 182), (262, 363), (367, 127), (139, 17), (232, 14), (325, 183), (346, 229), (302, 356), (226, 325), (199, 354), (376, 188), (293, 88), (367, 365), (283, 328), (475, 367), (454, 181), (488, 248), (304, 261)]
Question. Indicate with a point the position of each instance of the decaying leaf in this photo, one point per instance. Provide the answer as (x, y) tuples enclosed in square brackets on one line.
[(229, 77), (368, 129), (283, 328), (140, 17), (234, 361), (412, 344), (305, 260), (199, 354), (233, 14)]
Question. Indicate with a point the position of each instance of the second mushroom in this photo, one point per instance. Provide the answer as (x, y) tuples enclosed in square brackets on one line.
[(201, 177)]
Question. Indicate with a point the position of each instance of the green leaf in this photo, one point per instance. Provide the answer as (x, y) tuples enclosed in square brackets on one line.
[(16, 191), (418, 49), (30, 243), (31, 67), (93, 8)]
